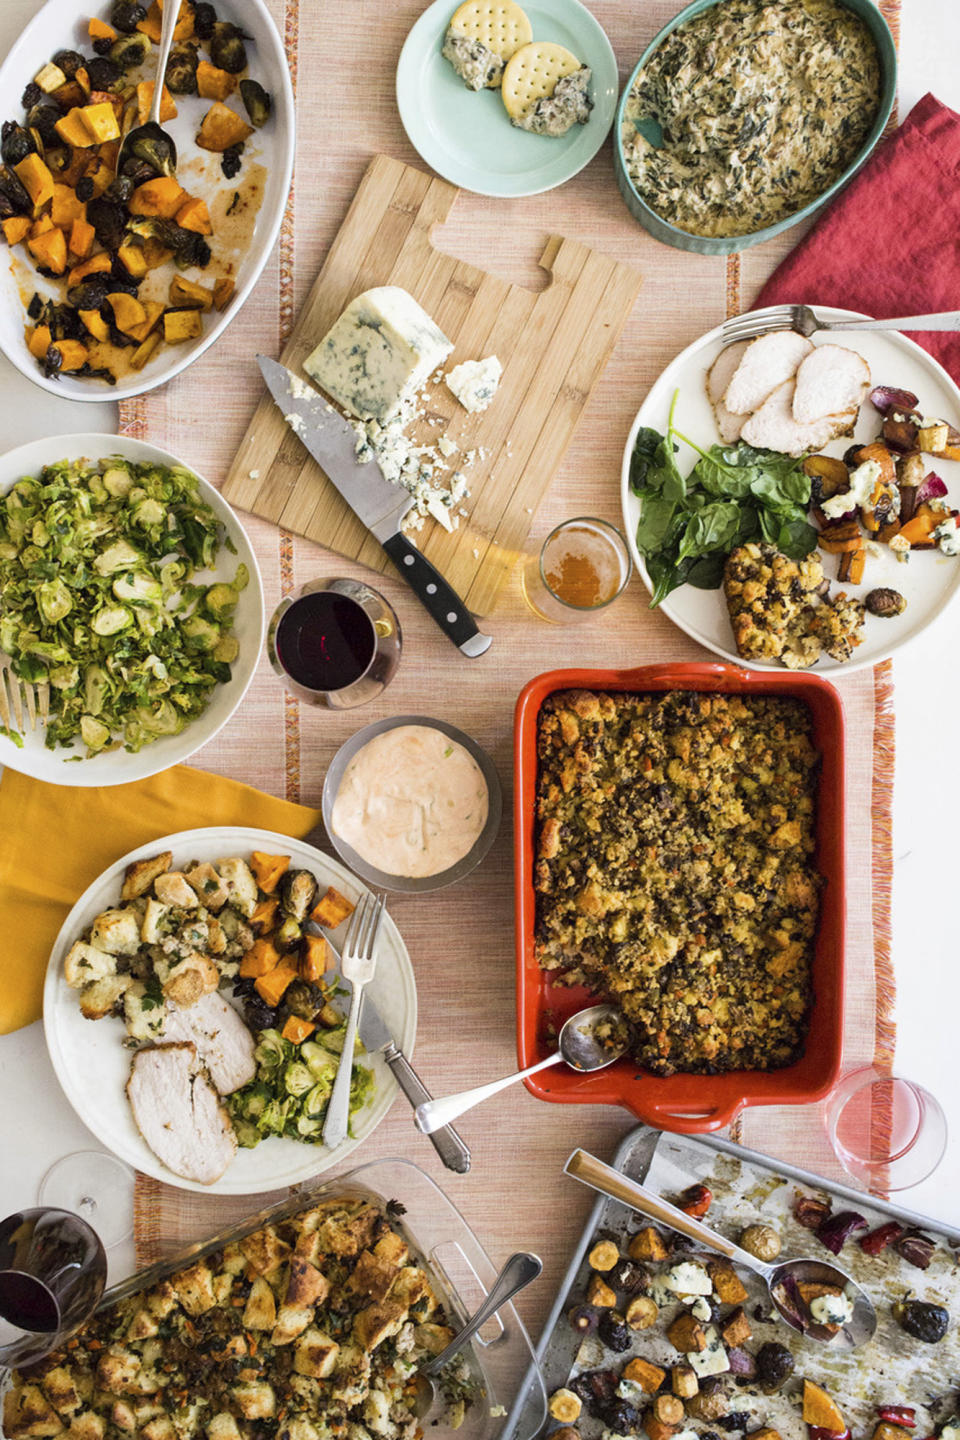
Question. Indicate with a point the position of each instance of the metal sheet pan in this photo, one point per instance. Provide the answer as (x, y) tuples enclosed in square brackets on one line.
[(893, 1369)]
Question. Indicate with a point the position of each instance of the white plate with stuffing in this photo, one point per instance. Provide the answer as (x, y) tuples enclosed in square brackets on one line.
[(466, 135), (93, 1066), (928, 580), (246, 242)]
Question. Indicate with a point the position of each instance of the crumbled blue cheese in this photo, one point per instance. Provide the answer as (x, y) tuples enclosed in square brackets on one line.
[(446, 446), (862, 481), (378, 353), (632, 1391), (296, 422), (701, 1309), (688, 1278), (474, 382), (832, 1309), (947, 536), (713, 1360)]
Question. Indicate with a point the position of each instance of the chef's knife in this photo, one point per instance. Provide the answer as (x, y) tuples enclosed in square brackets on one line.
[(376, 1037), (381, 506)]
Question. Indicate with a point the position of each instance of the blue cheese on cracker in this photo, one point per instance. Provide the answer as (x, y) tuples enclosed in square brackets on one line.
[(378, 353)]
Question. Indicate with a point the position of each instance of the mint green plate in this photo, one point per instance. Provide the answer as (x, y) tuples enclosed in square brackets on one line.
[(466, 136)]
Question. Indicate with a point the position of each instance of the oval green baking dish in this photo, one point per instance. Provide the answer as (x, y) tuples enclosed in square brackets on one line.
[(660, 229)]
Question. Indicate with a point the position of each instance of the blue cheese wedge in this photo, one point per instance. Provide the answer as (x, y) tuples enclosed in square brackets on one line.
[(378, 353), (475, 382), (713, 1359)]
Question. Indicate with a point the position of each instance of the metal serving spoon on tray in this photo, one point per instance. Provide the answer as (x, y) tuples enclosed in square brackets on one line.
[(580, 1047), (781, 1278), (518, 1272), (150, 142)]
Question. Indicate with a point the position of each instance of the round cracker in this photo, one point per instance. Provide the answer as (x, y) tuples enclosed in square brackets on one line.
[(532, 73), (500, 25)]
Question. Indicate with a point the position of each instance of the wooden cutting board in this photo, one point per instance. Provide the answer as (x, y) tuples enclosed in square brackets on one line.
[(553, 346)]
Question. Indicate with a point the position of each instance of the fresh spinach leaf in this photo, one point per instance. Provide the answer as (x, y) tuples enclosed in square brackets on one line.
[(711, 528), (707, 572), (720, 478), (644, 449), (656, 513), (779, 488), (796, 538)]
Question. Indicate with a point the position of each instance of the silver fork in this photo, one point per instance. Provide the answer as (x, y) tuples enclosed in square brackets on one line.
[(806, 321), (358, 962), (17, 695)]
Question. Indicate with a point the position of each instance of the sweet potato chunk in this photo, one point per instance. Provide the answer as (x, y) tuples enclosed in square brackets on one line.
[(221, 128)]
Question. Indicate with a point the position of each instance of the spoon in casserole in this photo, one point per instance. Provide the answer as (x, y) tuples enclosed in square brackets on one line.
[(590, 1040), (782, 1278), (150, 142)]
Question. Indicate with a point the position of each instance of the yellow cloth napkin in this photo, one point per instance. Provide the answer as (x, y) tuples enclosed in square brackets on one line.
[(55, 840)]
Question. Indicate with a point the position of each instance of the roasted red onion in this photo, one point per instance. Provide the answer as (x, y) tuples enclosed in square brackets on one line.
[(930, 488), (808, 1210), (887, 397), (916, 1248), (837, 1229)]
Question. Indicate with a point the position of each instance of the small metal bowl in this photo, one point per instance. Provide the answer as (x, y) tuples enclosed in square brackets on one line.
[(662, 230), (410, 885)]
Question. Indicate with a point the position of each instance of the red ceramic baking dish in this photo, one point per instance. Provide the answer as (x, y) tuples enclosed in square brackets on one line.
[(686, 1103)]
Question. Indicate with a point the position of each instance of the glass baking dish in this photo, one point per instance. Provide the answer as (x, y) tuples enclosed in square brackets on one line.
[(456, 1261), (684, 1102)]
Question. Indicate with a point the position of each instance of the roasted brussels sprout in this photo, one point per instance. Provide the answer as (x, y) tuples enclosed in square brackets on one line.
[(31, 96), (84, 188), (182, 71), (102, 45), (204, 19), (137, 171), (35, 308), (622, 1418), (42, 119), (129, 51), (52, 363), (302, 999), (109, 220), (630, 1277), (298, 891), (288, 934), (103, 72), (69, 61), (613, 1331), (775, 1365), (230, 160), (922, 1320), (154, 148), (227, 50), (126, 15), (14, 194), (257, 102), (16, 143)]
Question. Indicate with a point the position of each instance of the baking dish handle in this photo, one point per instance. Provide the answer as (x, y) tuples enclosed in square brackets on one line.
[(687, 1120), (698, 672)]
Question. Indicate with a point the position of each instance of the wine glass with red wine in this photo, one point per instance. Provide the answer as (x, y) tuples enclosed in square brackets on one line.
[(52, 1272), (334, 643)]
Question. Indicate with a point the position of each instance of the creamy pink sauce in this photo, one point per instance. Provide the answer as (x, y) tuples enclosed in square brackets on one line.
[(412, 802)]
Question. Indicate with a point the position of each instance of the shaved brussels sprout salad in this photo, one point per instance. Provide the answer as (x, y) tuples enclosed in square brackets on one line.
[(293, 1086), (97, 597)]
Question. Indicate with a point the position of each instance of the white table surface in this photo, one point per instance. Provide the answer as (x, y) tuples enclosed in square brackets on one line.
[(36, 1123)]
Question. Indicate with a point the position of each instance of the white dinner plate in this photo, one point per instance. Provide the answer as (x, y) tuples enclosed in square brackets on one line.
[(93, 1066), (928, 580), (466, 135), (118, 767), (62, 24)]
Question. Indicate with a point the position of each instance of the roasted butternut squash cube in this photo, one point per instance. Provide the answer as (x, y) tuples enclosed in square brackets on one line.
[(820, 1410), (223, 291), (128, 313), (188, 295), (97, 265), (15, 229), (154, 309), (194, 215), (49, 250), (213, 83), (221, 128), (168, 109), (95, 324), (273, 986), (82, 236), (34, 175), (72, 353), (101, 120), (65, 208), (73, 130), (143, 352), (38, 340), (161, 197), (133, 260), (100, 30), (332, 909)]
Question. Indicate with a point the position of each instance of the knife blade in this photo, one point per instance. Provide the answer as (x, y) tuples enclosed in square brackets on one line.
[(377, 1038), (381, 505)]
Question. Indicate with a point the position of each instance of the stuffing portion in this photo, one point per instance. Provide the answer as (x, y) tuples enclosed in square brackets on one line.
[(777, 613), (673, 872), (310, 1327)]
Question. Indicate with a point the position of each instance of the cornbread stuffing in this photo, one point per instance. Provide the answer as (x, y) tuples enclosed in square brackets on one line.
[(307, 1328), (778, 610), (673, 871)]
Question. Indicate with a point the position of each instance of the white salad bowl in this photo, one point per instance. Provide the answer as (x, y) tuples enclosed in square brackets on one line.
[(62, 24), (69, 765)]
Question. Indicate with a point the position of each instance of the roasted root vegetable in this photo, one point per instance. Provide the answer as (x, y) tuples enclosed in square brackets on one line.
[(161, 197), (332, 909), (272, 986), (268, 869), (296, 1030), (36, 179), (180, 325), (214, 84), (168, 109), (820, 1410)]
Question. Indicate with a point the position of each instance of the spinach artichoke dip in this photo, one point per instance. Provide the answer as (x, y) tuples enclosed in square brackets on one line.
[(674, 874), (762, 105)]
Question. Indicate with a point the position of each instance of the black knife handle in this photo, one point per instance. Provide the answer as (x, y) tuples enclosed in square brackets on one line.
[(447, 1143), (440, 599)]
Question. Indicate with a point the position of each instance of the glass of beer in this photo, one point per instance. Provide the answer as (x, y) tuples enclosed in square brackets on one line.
[(582, 567)]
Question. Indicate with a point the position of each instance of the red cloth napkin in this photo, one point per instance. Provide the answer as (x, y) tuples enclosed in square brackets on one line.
[(890, 244)]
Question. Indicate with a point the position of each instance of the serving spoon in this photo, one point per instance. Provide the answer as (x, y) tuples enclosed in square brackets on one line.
[(518, 1272), (579, 1047), (151, 132), (782, 1276)]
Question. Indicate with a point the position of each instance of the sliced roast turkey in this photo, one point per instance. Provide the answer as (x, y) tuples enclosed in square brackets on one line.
[(720, 374), (223, 1042), (773, 427), (830, 381), (179, 1114), (767, 363)]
